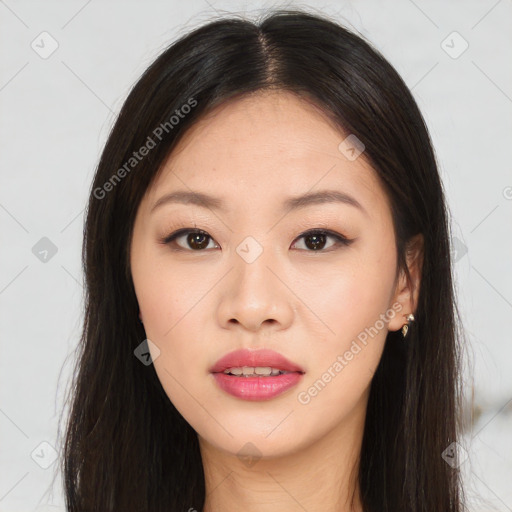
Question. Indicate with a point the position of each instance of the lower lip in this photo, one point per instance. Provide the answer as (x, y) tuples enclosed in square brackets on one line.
[(257, 388)]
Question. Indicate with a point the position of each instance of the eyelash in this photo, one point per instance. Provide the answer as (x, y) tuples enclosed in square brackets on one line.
[(340, 239)]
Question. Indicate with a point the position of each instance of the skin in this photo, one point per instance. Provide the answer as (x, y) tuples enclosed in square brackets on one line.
[(198, 305)]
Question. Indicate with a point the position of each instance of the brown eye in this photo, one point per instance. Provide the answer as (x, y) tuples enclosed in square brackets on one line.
[(194, 240), (197, 240), (315, 240)]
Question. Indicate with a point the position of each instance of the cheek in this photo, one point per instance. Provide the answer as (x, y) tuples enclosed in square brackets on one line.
[(352, 304), (349, 298), (172, 305), (167, 297), (169, 300), (177, 311)]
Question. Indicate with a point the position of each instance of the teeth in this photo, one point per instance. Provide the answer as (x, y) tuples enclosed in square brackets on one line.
[(254, 371)]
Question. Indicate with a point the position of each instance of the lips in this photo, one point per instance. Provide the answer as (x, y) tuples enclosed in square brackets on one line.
[(256, 387), (255, 358)]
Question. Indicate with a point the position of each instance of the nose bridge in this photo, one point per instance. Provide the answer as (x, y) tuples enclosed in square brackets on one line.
[(254, 293), (251, 260)]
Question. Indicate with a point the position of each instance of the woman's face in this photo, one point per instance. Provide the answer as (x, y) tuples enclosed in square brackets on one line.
[(253, 280)]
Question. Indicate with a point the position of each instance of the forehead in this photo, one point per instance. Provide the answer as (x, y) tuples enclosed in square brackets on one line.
[(270, 144)]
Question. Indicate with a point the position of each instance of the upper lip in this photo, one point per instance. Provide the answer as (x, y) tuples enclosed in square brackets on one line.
[(261, 357)]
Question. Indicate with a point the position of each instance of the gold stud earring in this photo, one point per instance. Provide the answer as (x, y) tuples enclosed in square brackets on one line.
[(405, 327)]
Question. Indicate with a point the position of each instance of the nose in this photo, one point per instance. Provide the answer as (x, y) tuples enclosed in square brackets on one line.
[(255, 295)]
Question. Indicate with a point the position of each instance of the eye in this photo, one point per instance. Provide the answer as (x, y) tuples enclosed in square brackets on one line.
[(315, 239), (195, 239), (198, 240)]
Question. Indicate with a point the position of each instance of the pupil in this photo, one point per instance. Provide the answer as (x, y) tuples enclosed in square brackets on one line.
[(194, 240), (318, 240), (199, 241)]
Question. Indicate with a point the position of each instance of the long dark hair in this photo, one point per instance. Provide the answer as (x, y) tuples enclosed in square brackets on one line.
[(126, 447)]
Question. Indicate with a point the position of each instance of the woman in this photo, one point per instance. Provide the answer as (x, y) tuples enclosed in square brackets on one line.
[(270, 321)]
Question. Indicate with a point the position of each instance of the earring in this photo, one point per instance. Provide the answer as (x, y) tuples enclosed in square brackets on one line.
[(405, 327), (140, 319)]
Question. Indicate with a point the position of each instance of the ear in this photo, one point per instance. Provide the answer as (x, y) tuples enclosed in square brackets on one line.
[(407, 292)]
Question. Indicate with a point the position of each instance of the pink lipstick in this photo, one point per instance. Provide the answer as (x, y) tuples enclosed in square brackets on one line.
[(256, 374)]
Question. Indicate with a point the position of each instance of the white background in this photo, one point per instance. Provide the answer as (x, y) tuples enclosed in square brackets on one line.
[(55, 117)]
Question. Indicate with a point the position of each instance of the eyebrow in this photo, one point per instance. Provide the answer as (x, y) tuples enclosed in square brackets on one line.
[(291, 203)]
